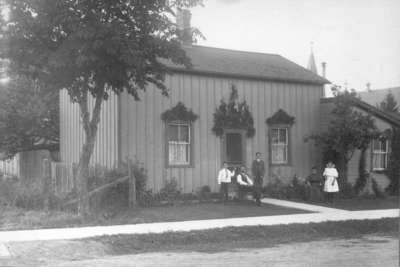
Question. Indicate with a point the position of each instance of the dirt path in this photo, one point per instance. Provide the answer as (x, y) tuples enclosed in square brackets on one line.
[(366, 251)]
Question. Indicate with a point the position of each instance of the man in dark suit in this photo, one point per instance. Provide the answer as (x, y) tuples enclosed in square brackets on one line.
[(258, 170)]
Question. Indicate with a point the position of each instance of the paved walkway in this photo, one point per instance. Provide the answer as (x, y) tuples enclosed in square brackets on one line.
[(323, 214)]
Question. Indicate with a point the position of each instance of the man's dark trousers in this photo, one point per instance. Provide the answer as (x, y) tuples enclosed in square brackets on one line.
[(224, 191), (258, 181)]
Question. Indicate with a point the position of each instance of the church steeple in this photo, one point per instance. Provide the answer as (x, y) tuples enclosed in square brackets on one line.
[(311, 61)]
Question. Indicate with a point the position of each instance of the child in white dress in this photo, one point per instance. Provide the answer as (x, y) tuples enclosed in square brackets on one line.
[(331, 185)]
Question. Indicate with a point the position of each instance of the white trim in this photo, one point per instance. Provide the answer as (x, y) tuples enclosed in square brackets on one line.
[(380, 152), (178, 143), (280, 144)]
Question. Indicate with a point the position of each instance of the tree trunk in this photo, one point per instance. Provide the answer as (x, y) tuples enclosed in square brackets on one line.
[(90, 128), (343, 170)]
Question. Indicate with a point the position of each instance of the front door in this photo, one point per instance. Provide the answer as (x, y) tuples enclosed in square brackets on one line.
[(233, 147)]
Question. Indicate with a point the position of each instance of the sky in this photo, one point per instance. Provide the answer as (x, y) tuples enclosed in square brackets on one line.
[(358, 39)]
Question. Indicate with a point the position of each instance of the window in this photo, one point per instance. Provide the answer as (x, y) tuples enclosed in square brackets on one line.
[(279, 146), (179, 143), (380, 151)]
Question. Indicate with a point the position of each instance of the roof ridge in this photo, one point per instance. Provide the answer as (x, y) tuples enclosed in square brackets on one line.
[(233, 50)]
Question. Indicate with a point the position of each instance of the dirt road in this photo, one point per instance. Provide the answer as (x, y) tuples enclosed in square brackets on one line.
[(366, 251)]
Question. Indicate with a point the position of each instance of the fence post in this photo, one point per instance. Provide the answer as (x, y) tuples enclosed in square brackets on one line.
[(46, 182), (132, 185)]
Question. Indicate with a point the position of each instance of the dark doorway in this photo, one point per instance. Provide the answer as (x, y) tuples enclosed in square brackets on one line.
[(234, 147)]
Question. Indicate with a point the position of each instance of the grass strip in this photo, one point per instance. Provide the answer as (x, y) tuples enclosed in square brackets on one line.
[(231, 238)]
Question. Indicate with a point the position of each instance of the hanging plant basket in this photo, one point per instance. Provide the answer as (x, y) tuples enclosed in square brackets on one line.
[(179, 113), (233, 114)]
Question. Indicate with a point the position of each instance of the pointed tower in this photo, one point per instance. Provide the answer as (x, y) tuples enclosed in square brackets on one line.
[(311, 62)]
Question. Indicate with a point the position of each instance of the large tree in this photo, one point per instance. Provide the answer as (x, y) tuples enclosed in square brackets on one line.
[(29, 117), (349, 130), (93, 48)]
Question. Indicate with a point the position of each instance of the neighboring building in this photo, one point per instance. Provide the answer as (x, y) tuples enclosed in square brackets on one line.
[(376, 96), (25, 165), (274, 87), (377, 155)]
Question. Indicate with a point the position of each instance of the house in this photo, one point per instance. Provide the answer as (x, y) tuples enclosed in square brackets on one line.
[(283, 98), (376, 96), (377, 155)]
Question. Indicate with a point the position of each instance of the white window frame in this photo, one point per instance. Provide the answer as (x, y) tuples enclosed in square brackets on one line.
[(280, 144), (380, 152), (187, 144)]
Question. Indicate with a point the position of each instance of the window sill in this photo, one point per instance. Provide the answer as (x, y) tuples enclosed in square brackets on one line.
[(280, 164), (380, 171), (180, 166)]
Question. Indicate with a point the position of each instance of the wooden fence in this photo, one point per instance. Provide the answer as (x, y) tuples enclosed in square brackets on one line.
[(63, 177)]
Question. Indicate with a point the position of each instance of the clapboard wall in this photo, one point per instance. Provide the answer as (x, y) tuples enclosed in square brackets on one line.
[(72, 134), (142, 132)]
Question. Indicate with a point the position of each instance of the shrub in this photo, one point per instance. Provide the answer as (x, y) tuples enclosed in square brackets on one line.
[(377, 189), (204, 193), (347, 190), (170, 191), (298, 188), (276, 189)]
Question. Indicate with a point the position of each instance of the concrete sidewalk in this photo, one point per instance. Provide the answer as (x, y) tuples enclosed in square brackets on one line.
[(324, 214)]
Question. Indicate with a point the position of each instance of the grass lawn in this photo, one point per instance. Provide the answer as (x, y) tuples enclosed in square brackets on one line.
[(224, 239), (364, 203), (14, 219)]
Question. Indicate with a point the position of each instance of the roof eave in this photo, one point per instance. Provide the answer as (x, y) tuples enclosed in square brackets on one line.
[(371, 109), (322, 81)]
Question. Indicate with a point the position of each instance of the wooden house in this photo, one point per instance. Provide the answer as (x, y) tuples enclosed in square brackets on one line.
[(283, 99), (378, 153)]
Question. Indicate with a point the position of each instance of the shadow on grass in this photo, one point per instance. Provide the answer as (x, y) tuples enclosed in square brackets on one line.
[(226, 239)]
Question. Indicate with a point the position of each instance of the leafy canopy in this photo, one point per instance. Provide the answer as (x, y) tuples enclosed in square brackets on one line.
[(389, 104), (94, 46), (29, 117)]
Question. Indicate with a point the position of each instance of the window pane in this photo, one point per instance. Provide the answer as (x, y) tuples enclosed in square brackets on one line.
[(179, 153), (274, 136), (184, 133), (173, 132), (383, 145), (282, 136), (377, 161), (278, 153)]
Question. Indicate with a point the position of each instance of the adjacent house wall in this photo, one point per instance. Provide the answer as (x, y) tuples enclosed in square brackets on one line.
[(142, 132)]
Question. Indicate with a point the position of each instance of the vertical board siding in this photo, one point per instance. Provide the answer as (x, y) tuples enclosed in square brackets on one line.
[(142, 132), (72, 136)]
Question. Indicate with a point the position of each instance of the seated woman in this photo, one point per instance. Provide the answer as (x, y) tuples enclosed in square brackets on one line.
[(244, 182)]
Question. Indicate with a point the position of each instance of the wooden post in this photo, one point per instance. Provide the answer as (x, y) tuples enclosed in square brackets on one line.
[(46, 168), (132, 185)]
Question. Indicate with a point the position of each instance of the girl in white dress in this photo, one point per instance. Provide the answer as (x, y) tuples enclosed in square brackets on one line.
[(331, 185)]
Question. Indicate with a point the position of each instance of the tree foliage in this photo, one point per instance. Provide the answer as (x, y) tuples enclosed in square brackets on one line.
[(94, 48), (233, 114), (29, 117), (389, 104), (348, 130)]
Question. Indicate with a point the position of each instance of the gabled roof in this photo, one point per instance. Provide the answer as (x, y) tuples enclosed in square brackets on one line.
[(245, 65), (388, 117), (376, 96)]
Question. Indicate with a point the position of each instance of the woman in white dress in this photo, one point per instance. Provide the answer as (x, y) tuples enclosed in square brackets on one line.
[(331, 185)]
